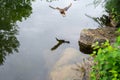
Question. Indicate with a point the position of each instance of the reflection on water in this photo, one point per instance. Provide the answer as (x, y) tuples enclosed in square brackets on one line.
[(11, 11), (37, 31), (60, 41), (8, 42)]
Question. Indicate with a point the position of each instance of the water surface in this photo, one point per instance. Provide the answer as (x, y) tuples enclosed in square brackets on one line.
[(36, 36)]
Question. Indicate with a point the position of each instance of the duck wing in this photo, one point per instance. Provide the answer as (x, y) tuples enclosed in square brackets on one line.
[(66, 8)]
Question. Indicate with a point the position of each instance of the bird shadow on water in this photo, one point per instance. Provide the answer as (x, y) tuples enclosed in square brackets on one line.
[(60, 42)]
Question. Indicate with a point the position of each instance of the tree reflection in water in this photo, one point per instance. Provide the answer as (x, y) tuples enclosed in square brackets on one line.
[(11, 11)]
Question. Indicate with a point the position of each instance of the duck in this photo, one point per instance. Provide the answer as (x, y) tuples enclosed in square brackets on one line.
[(62, 10)]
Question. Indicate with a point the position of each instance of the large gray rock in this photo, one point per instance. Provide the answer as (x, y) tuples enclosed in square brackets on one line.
[(89, 36)]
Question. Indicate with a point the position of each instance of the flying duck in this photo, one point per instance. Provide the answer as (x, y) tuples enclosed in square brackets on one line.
[(62, 10)]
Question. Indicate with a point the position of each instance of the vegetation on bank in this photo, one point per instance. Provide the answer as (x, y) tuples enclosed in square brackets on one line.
[(113, 10), (107, 61)]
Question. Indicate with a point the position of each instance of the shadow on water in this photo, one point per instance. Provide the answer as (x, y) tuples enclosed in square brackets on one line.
[(60, 42), (11, 12)]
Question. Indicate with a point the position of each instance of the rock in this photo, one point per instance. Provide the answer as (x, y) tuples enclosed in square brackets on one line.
[(90, 36), (64, 67)]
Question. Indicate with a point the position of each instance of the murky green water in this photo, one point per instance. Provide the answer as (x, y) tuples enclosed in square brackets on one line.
[(25, 49)]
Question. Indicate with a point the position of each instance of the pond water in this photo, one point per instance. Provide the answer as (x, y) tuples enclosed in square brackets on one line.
[(36, 36)]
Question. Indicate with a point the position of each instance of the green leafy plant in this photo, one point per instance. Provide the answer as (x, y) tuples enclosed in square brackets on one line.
[(112, 7), (107, 62)]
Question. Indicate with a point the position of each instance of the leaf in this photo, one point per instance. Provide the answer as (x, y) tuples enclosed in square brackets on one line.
[(113, 71), (110, 48), (118, 39)]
